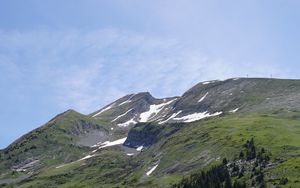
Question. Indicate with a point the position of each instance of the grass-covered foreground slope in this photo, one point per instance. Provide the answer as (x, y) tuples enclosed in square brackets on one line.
[(194, 147), (200, 144), (108, 169)]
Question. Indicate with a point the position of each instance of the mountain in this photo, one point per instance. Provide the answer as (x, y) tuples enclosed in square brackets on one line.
[(205, 99), (141, 141)]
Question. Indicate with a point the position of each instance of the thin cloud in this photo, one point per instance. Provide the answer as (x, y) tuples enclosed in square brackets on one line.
[(86, 70)]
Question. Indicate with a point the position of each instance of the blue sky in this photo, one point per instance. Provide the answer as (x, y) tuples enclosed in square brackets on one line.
[(82, 54)]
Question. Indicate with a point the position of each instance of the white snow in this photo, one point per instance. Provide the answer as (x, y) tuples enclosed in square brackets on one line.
[(151, 170), (129, 154), (121, 115), (139, 148), (204, 83), (127, 101), (60, 166), (233, 111), (236, 78), (86, 157), (125, 124), (171, 117), (99, 145), (200, 100), (154, 109), (108, 144), (208, 82), (197, 116), (103, 110), (25, 167), (113, 143), (112, 128)]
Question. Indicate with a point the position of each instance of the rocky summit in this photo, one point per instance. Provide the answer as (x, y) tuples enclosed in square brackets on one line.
[(239, 132)]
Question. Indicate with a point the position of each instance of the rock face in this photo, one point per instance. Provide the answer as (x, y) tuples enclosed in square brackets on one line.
[(145, 134), (88, 133), (142, 135)]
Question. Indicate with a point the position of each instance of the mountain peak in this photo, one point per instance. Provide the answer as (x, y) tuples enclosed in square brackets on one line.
[(142, 95), (69, 112)]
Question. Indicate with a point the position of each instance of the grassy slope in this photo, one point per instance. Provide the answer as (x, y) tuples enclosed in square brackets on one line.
[(208, 141), (196, 146), (108, 169), (51, 143)]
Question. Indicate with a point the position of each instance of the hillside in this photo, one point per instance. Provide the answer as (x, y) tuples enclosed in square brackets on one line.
[(141, 141)]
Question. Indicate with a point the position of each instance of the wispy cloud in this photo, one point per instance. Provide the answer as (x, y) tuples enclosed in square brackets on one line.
[(85, 70)]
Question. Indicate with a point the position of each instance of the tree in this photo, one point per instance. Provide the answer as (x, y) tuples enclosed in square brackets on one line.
[(241, 155), (228, 183), (216, 177), (250, 150), (238, 184), (283, 181)]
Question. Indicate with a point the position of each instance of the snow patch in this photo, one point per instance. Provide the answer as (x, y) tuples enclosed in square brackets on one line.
[(86, 157), (101, 145), (204, 83), (154, 109), (209, 82), (103, 110), (27, 166), (130, 154), (233, 111), (139, 148), (151, 170), (121, 115), (60, 166), (125, 124), (171, 117), (200, 100), (197, 116), (113, 143), (127, 101)]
